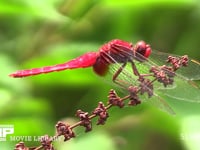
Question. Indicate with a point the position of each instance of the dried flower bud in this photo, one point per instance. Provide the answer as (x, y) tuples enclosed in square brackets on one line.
[(114, 99), (46, 142), (178, 62), (134, 99), (101, 111), (85, 120), (65, 130), (21, 146), (146, 86), (163, 74)]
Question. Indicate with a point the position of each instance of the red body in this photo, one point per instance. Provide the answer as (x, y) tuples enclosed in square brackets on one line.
[(114, 51)]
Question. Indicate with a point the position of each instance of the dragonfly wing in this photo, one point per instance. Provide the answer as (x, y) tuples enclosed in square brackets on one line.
[(183, 91), (126, 78), (191, 72), (183, 86), (160, 103)]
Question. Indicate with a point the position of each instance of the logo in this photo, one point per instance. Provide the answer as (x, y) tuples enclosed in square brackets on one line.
[(5, 130)]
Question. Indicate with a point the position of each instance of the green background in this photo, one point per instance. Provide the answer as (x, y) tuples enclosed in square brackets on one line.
[(46, 32)]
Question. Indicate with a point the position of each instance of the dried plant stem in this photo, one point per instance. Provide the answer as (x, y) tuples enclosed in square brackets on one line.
[(163, 74)]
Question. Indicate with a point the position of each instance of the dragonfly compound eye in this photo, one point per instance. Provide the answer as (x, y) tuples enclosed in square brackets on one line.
[(142, 48)]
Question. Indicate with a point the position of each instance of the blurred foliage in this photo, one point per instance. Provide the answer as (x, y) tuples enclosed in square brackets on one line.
[(38, 33)]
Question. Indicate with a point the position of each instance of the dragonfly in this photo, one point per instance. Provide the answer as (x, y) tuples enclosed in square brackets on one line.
[(111, 52), (121, 52)]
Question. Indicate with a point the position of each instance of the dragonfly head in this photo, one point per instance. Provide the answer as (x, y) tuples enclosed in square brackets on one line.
[(142, 48)]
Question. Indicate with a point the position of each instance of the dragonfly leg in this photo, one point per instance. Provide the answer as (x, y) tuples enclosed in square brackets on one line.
[(117, 73), (135, 70)]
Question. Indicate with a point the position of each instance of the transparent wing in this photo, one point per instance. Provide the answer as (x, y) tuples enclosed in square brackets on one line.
[(191, 72), (160, 103), (182, 88), (126, 78)]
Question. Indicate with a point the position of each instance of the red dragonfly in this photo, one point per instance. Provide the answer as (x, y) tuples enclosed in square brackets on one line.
[(111, 52), (122, 52)]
